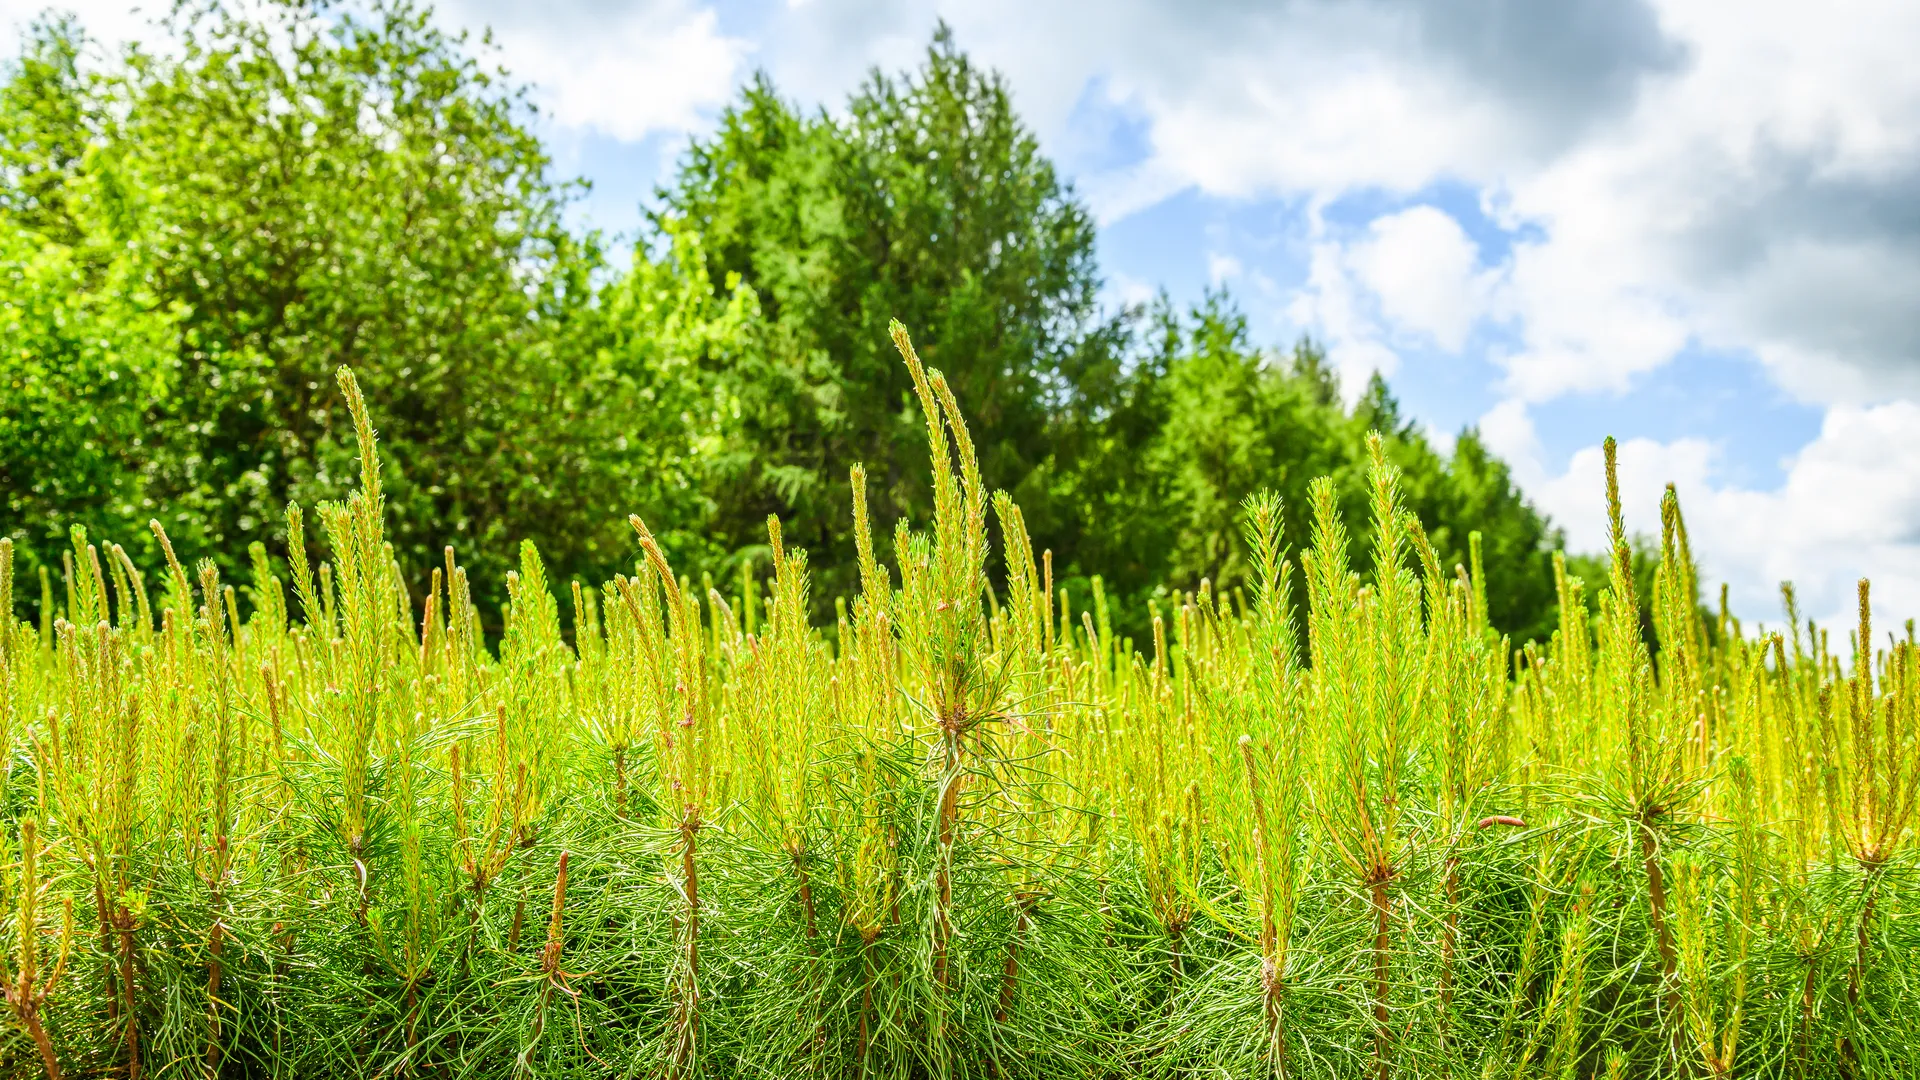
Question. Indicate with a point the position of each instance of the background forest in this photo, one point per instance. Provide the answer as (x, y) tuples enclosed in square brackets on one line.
[(821, 635), (193, 238)]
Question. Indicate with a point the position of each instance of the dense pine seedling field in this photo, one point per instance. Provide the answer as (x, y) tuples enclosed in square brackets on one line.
[(316, 825)]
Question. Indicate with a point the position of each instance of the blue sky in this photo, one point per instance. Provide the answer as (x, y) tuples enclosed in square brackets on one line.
[(1690, 224)]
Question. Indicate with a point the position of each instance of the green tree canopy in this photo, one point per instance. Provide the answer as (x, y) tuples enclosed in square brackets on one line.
[(302, 192), (192, 241), (1150, 487), (928, 202), (87, 351)]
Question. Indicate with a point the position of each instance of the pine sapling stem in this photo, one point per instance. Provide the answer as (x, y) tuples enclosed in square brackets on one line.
[(1806, 1017), (1650, 856), (1382, 902), (1857, 977), (215, 944), (867, 938), (1010, 973), (106, 941), (620, 782), (49, 1061), (550, 974), (1272, 963), (24, 992), (1449, 945), (687, 1020), (943, 872), (809, 922), (123, 920), (1662, 932)]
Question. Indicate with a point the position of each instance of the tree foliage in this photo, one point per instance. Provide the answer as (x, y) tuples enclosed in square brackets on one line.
[(302, 192), (1153, 483), (928, 202), (86, 348), (194, 239)]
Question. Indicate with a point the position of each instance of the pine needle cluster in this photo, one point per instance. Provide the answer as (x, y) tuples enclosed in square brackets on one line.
[(318, 825)]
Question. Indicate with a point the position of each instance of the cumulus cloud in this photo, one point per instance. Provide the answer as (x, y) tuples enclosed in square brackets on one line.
[(1730, 172), (1336, 306), (1247, 98), (110, 25), (1569, 64), (623, 70), (1131, 290), (1849, 508), (1409, 278), (1222, 268), (1584, 316), (1764, 197), (617, 68), (1735, 174), (1422, 266)]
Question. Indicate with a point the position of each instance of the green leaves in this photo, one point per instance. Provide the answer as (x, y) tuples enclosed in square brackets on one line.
[(931, 204), (215, 229), (194, 239), (1149, 472), (84, 358)]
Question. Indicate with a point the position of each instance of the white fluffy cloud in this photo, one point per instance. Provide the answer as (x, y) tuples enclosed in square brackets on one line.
[(1222, 268), (1741, 181), (624, 70), (111, 24), (1336, 304), (1421, 265), (1245, 98), (1733, 172), (1759, 200), (1728, 172), (1849, 508), (1410, 277)]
